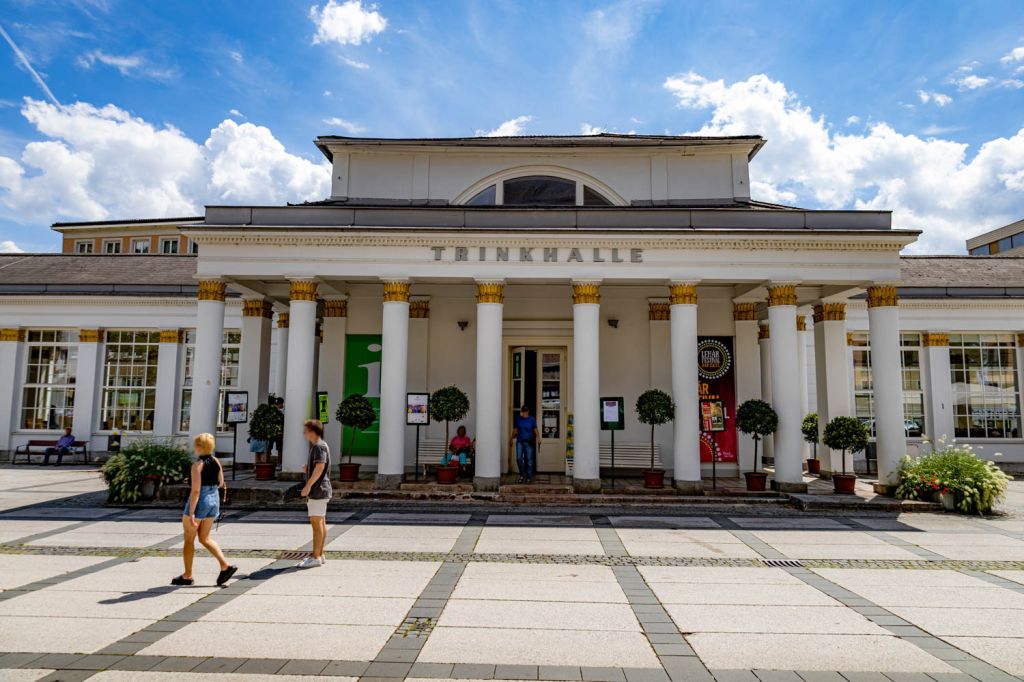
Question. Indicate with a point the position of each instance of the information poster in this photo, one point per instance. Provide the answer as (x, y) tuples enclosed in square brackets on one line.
[(236, 407), (362, 375), (613, 414), (712, 416), (417, 409), (323, 406), (717, 385)]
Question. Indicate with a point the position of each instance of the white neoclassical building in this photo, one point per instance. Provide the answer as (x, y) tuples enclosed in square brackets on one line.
[(551, 272)]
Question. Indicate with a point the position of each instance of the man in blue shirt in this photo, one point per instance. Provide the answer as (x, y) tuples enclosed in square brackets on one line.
[(526, 437), (62, 447)]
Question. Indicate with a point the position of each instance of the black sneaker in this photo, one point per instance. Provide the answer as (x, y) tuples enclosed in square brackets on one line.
[(183, 581), (226, 574)]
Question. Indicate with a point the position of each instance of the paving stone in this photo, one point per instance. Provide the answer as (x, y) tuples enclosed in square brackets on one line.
[(413, 643), (908, 677), (261, 666), (951, 677), (431, 670), (665, 638), (558, 672), (596, 674), (982, 671), (662, 628), (386, 669), (177, 664), (820, 676), (673, 650), (137, 663), (123, 648), (515, 672), (860, 676), (55, 661), (396, 655), (906, 630), (777, 676), (685, 668), (18, 660), (303, 667), (94, 662), (219, 665), (733, 675), (68, 676), (473, 671), (345, 668), (645, 675)]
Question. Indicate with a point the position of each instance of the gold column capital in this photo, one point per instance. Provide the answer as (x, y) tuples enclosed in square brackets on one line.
[(396, 291), (744, 311), (763, 332), (490, 292), (302, 290), (882, 296), (336, 307), (935, 339), (12, 334), (586, 292), (212, 290), (781, 294), (257, 307), (419, 310), (282, 320), (682, 294), (801, 323), (656, 310), (829, 312), (171, 335), (90, 335)]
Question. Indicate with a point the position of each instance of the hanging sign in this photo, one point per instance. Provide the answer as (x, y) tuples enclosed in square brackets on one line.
[(717, 391)]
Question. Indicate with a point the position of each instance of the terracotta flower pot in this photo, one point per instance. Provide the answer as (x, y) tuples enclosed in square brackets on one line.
[(265, 471), (448, 475), (349, 472), (654, 478), (757, 481), (844, 484), (814, 466)]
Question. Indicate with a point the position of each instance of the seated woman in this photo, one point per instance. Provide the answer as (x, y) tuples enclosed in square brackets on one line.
[(460, 446)]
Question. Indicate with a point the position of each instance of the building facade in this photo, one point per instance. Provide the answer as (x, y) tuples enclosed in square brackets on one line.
[(552, 272)]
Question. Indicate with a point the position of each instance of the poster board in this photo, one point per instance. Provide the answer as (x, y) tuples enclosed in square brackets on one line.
[(236, 407), (712, 416), (417, 409), (717, 383), (323, 407), (613, 414)]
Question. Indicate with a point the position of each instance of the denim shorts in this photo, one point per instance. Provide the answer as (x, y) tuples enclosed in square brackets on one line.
[(208, 506)]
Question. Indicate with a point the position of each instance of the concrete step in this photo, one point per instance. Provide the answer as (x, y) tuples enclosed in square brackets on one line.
[(546, 489)]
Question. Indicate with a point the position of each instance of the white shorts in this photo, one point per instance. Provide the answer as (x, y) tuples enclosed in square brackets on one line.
[(317, 507)]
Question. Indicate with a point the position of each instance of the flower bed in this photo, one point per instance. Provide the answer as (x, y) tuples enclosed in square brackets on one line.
[(975, 483)]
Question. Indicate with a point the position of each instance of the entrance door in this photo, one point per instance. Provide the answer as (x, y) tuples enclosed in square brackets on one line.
[(538, 382)]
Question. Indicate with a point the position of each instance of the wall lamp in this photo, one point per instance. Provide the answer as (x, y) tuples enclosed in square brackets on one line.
[(463, 324), (613, 323)]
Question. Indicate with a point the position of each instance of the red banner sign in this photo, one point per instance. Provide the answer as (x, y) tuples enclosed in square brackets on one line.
[(716, 383)]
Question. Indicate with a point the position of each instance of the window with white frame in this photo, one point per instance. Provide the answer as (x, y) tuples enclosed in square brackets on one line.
[(538, 190), (986, 397), (111, 246), (141, 245), (169, 244), (913, 393), (48, 393), (85, 245), (129, 379), (231, 351), (193, 247)]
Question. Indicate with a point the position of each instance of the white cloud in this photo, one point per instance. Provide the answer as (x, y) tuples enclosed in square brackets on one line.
[(99, 163), (972, 82), (852, 120), (938, 98), (509, 128), (355, 64), (236, 56), (1014, 55), (126, 65), (1012, 83), (346, 23), (929, 184), (616, 26), (346, 125), (10, 247), (236, 113), (587, 129)]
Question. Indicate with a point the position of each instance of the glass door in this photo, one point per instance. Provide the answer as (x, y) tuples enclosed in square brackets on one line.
[(551, 417)]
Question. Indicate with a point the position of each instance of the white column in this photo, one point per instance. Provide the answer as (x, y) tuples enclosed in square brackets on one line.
[(394, 369), (748, 371), (281, 340), (686, 425), (165, 417), (208, 350), (660, 367), (88, 378), (938, 387), (586, 385), (298, 393), (253, 363), (785, 388), (887, 384), (801, 365), (490, 298), (832, 374), (12, 342), (332, 365), (764, 346), (416, 377)]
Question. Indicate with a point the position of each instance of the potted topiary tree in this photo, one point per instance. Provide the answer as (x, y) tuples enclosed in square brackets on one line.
[(848, 435), (355, 412), (654, 407), (809, 427), (757, 419), (448, 404), (266, 426)]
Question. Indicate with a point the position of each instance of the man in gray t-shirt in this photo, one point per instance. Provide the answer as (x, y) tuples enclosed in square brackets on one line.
[(317, 490)]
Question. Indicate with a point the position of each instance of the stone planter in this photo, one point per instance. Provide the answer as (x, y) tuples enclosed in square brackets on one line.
[(149, 488), (844, 484), (654, 478), (448, 475), (757, 481), (948, 501), (814, 467), (265, 471), (349, 472)]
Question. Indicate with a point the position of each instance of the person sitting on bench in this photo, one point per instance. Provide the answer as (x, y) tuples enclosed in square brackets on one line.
[(62, 447), (461, 447)]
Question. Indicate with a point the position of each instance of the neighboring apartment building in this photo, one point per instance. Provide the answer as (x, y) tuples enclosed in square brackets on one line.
[(1002, 240), (113, 237)]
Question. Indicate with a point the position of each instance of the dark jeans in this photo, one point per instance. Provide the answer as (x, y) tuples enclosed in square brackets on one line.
[(60, 454), (525, 458)]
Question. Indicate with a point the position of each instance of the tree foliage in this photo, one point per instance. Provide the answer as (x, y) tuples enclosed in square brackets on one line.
[(846, 434), (655, 407), (355, 412)]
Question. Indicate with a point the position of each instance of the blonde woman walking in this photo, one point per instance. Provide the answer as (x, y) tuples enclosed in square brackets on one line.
[(202, 509)]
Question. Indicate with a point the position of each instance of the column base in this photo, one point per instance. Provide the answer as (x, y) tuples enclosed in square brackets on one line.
[(884, 489), (388, 481), (689, 487), (291, 476), (786, 487), (488, 484), (586, 485)]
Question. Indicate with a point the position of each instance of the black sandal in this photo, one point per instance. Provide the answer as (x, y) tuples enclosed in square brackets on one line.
[(226, 574), (182, 580)]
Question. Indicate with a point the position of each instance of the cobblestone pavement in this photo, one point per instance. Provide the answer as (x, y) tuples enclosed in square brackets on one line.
[(449, 594)]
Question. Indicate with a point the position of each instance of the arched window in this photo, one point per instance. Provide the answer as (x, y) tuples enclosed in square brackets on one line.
[(538, 190)]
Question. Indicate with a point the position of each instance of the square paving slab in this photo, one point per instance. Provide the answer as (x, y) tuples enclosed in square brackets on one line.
[(152, 605), (1004, 653), (539, 582), (717, 574), (353, 578), (484, 613), (150, 676), (855, 578), (663, 522), (21, 569), (268, 608), (539, 540), (966, 622), (23, 675), (754, 595), (829, 620), (397, 538), (868, 551), (418, 519), (52, 634), (785, 522), (1015, 576), (155, 574), (950, 597)]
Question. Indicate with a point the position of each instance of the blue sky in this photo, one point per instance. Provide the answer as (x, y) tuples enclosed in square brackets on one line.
[(916, 107)]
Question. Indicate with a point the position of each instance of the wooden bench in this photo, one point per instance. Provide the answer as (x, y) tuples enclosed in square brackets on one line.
[(431, 452), (38, 447), (630, 455)]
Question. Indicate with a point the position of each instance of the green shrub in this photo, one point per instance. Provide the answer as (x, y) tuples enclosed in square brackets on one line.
[(448, 404), (357, 413), (161, 458), (655, 407), (977, 484), (809, 427), (756, 418), (846, 434), (266, 426)]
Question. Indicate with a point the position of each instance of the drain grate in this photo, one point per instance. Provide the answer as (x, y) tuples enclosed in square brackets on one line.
[(292, 556), (415, 627), (783, 563)]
